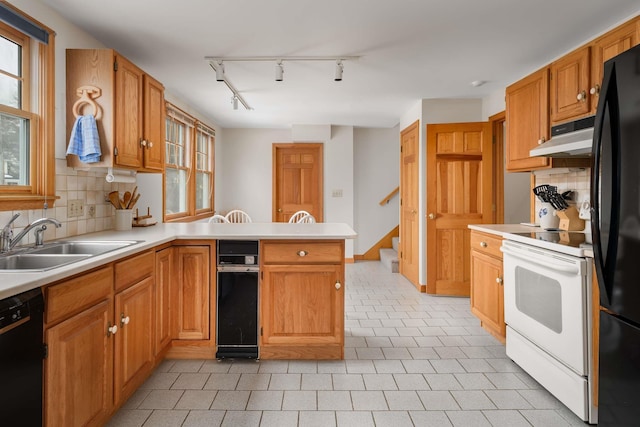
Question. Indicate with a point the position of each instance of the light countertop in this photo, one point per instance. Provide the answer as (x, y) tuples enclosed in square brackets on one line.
[(503, 230), (12, 283)]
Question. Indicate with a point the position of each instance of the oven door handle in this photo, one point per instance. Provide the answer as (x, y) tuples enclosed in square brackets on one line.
[(525, 256), (238, 269)]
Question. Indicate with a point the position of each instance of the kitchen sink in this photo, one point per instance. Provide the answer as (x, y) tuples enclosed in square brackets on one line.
[(97, 247), (57, 254)]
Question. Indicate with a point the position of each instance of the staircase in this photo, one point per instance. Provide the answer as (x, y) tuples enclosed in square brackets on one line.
[(389, 256)]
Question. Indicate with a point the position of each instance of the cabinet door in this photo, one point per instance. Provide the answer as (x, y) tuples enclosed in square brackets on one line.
[(134, 340), (128, 114), (302, 305), (79, 369), (606, 47), (487, 300), (164, 272), (570, 86), (154, 126), (192, 292), (527, 121)]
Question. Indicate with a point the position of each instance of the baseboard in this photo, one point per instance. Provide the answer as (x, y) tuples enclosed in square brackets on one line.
[(373, 254)]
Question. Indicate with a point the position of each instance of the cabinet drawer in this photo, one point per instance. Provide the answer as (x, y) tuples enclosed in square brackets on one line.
[(72, 296), (302, 252), (486, 243), (134, 269)]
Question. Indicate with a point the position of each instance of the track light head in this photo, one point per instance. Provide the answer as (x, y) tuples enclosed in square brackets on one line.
[(220, 72), (339, 69), (234, 102), (279, 71)]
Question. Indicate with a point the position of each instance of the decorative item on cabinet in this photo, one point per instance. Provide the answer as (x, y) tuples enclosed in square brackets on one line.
[(131, 128)]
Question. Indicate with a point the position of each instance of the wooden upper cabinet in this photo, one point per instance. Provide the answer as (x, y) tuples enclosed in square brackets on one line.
[(570, 97), (527, 120), (128, 105), (606, 47)]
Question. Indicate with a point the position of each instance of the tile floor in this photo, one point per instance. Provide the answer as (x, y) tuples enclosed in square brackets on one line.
[(410, 360)]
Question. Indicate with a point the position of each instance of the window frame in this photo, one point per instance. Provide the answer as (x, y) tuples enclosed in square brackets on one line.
[(190, 151), (38, 77)]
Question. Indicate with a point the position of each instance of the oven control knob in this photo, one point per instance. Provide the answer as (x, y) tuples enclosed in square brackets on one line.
[(499, 280)]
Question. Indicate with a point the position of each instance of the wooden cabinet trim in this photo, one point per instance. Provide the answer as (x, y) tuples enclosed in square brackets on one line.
[(134, 269), (302, 252)]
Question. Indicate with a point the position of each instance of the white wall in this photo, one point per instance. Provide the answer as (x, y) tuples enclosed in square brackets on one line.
[(493, 104), (376, 174)]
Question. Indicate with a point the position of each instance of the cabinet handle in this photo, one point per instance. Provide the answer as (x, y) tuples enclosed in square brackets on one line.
[(541, 140), (432, 216), (143, 142), (303, 253), (150, 144), (338, 285), (499, 280), (124, 320), (595, 90), (483, 244), (112, 330), (582, 96)]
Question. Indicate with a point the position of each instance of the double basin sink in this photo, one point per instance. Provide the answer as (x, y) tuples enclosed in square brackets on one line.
[(57, 254)]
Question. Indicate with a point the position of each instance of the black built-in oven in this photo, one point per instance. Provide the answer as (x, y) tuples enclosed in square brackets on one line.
[(237, 299)]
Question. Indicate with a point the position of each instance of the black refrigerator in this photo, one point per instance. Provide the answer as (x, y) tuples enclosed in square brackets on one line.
[(615, 197)]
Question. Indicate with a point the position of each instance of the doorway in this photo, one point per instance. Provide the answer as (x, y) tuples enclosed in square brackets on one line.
[(409, 203), (297, 180)]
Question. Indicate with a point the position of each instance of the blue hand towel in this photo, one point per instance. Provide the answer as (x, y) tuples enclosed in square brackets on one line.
[(84, 141)]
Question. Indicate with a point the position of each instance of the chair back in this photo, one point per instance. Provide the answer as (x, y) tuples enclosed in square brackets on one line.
[(296, 217), (238, 215), (308, 218), (218, 219)]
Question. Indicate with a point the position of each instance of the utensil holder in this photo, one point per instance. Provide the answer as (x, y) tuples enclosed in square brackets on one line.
[(123, 219), (548, 216), (570, 220)]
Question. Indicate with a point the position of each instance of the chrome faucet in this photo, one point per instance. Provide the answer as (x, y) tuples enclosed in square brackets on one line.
[(8, 241)]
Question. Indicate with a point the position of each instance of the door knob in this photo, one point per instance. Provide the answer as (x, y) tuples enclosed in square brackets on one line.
[(279, 210), (338, 286), (432, 216)]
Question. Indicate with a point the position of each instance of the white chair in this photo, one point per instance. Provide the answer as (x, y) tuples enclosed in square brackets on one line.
[(302, 216), (218, 219), (238, 215)]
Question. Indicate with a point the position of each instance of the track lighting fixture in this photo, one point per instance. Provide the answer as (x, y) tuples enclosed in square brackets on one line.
[(339, 69), (279, 71), (220, 72), (234, 102)]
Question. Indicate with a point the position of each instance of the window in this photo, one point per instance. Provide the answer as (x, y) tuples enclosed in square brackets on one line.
[(27, 169), (188, 167)]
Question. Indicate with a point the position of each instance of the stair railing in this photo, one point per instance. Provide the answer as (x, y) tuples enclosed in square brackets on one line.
[(389, 196)]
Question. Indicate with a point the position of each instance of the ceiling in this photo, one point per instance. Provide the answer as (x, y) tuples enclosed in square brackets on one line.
[(408, 50)]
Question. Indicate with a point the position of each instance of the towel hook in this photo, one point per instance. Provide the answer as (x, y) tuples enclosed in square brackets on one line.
[(86, 95)]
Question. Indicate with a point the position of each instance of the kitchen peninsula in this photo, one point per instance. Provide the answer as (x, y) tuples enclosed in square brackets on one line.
[(110, 319)]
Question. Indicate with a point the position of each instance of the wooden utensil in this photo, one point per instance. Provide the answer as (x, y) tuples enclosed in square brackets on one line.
[(133, 195), (134, 201), (126, 199), (114, 198)]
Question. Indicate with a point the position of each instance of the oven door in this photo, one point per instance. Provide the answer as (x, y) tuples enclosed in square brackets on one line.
[(545, 300)]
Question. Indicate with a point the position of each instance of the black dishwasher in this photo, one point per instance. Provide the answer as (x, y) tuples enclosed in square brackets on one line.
[(21, 354), (237, 299)]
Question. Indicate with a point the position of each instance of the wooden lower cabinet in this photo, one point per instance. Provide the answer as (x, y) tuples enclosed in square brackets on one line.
[(79, 369), (487, 291), (134, 346), (302, 300)]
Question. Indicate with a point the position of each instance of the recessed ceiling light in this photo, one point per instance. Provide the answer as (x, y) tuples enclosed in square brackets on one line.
[(477, 83)]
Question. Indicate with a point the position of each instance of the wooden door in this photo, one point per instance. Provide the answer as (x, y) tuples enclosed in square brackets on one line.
[(570, 86), (128, 114), (527, 121), (164, 276), (79, 369), (606, 47), (134, 341), (154, 125), (409, 201), (297, 180), (301, 305), (459, 193), (192, 293)]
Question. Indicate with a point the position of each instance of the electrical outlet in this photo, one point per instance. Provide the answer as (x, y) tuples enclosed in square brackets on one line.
[(336, 193), (75, 208)]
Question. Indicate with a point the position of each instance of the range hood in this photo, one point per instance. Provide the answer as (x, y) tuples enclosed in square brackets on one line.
[(571, 139)]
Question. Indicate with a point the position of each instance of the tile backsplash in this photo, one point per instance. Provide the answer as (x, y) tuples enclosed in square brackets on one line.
[(71, 184)]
